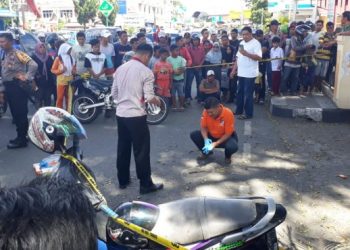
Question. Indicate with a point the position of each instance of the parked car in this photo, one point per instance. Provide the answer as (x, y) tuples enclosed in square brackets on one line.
[(96, 33), (24, 41)]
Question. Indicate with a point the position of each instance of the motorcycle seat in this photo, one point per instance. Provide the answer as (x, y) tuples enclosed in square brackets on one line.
[(101, 83), (196, 219)]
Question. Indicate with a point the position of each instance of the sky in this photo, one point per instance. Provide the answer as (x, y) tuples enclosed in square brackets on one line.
[(212, 7)]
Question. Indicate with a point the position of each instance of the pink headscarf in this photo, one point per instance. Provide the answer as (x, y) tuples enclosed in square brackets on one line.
[(42, 57)]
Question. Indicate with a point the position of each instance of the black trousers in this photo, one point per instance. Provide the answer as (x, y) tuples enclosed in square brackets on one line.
[(17, 99), (133, 133), (230, 146)]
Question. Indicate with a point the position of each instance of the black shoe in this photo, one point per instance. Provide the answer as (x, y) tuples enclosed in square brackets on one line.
[(18, 144), (18, 140), (124, 186), (151, 189)]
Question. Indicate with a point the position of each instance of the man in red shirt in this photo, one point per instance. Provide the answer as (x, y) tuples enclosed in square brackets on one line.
[(217, 130), (183, 50), (198, 54)]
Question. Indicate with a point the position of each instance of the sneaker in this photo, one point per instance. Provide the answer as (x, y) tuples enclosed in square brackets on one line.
[(203, 157)]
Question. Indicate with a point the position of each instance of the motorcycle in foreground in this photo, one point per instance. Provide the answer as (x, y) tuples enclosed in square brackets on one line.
[(94, 95), (194, 223)]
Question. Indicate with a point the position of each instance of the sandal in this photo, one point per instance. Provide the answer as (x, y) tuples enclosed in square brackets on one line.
[(243, 117)]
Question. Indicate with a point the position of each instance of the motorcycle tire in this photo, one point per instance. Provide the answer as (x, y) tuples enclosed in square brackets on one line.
[(153, 118), (85, 115)]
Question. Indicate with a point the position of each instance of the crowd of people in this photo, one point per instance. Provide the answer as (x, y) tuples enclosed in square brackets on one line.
[(239, 67)]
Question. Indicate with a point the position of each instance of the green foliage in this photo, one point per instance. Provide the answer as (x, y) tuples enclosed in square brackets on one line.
[(4, 4), (86, 10), (111, 17), (130, 30), (60, 24), (259, 12)]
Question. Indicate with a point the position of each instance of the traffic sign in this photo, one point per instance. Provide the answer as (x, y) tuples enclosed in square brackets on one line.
[(106, 8)]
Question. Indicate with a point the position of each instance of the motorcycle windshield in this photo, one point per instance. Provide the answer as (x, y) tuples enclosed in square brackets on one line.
[(142, 214)]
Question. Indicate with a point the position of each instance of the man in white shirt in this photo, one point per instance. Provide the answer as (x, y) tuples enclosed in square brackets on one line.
[(317, 33), (132, 88), (79, 52), (247, 68), (108, 50)]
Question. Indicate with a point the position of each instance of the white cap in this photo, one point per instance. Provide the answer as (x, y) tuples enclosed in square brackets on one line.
[(161, 34), (210, 73), (106, 33)]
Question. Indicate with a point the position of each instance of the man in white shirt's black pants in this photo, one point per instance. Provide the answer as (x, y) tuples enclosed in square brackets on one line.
[(247, 68), (132, 87)]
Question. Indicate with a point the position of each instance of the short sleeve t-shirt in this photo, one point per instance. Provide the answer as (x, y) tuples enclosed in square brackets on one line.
[(96, 62), (227, 53), (209, 85), (109, 52), (177, 62), (120, 51), (276, 53), (163, 71), (79, 53), (223, 125), (247, 67)]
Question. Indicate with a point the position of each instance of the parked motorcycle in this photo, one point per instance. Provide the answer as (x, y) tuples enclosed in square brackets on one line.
[(194, 223), (93, 96)]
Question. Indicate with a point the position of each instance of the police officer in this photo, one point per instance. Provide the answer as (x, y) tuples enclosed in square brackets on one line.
[(18, 69)]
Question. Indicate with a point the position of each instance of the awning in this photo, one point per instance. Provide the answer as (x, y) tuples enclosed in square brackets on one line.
[(34, 8), (7, 13)]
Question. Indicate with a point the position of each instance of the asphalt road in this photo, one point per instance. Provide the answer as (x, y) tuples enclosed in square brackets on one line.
[(297, 162)]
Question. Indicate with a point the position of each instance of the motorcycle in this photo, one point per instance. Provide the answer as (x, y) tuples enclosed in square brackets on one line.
[(94, 95), (3, 102), (194, 223)]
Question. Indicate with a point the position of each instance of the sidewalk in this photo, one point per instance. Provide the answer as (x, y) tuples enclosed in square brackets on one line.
[(317, 107)]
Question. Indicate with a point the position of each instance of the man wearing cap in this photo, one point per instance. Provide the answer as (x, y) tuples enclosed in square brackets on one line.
[(121, 48), (209, 87), (41, 37), (217, 130), (108, 50)]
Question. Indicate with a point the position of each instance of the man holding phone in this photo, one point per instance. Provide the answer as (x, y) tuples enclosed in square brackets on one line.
[(247, 69)]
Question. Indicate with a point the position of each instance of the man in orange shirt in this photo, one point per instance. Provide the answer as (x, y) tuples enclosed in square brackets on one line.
[(217, 130)]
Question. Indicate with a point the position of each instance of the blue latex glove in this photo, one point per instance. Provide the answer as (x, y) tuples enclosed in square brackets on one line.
[(207, 142), (206, 149)]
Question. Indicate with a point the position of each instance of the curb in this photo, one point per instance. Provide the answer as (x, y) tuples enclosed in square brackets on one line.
[(332, 115)]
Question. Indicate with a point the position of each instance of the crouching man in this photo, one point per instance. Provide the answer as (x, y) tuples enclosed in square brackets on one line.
[(217, 130)]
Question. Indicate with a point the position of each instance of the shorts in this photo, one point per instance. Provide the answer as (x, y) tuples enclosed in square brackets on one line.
[(321, 68), (163, 89), (178, 87)]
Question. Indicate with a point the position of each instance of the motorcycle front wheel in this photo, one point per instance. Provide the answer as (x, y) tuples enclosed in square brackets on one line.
[(83, 114), (155, 114)]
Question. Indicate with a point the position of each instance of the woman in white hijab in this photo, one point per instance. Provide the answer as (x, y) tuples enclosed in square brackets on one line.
[(64, 68), (214, 56)]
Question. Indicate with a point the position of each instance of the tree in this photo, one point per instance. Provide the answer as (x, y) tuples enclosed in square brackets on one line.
[(260, 14), (111, 17), (86, 10)]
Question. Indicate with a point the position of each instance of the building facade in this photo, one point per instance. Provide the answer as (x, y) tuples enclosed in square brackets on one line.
[(331, 10)]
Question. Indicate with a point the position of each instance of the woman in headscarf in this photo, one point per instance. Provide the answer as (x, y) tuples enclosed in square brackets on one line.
[(64, 68), (214, 56), (44, 79)]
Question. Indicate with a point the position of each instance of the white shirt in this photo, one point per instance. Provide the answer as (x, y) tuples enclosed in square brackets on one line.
[(276, 53), (316, 38), (79, 53), (133, 84), (96, 62), (247, 67)]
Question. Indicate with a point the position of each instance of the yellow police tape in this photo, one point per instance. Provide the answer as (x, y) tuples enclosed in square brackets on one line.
[(149, 235), (264, 60)]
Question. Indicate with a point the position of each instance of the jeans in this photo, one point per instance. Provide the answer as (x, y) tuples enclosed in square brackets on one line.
[(178, 87), (230, 146), (17, 99), (233, 87), (133, 133), (269, 74), (290, 75), (191, 74), (245, 93)]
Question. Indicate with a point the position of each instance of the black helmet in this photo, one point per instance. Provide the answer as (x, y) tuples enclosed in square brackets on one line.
[(301, 29)]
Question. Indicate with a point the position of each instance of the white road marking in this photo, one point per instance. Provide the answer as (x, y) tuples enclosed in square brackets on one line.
[(248, 128)]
